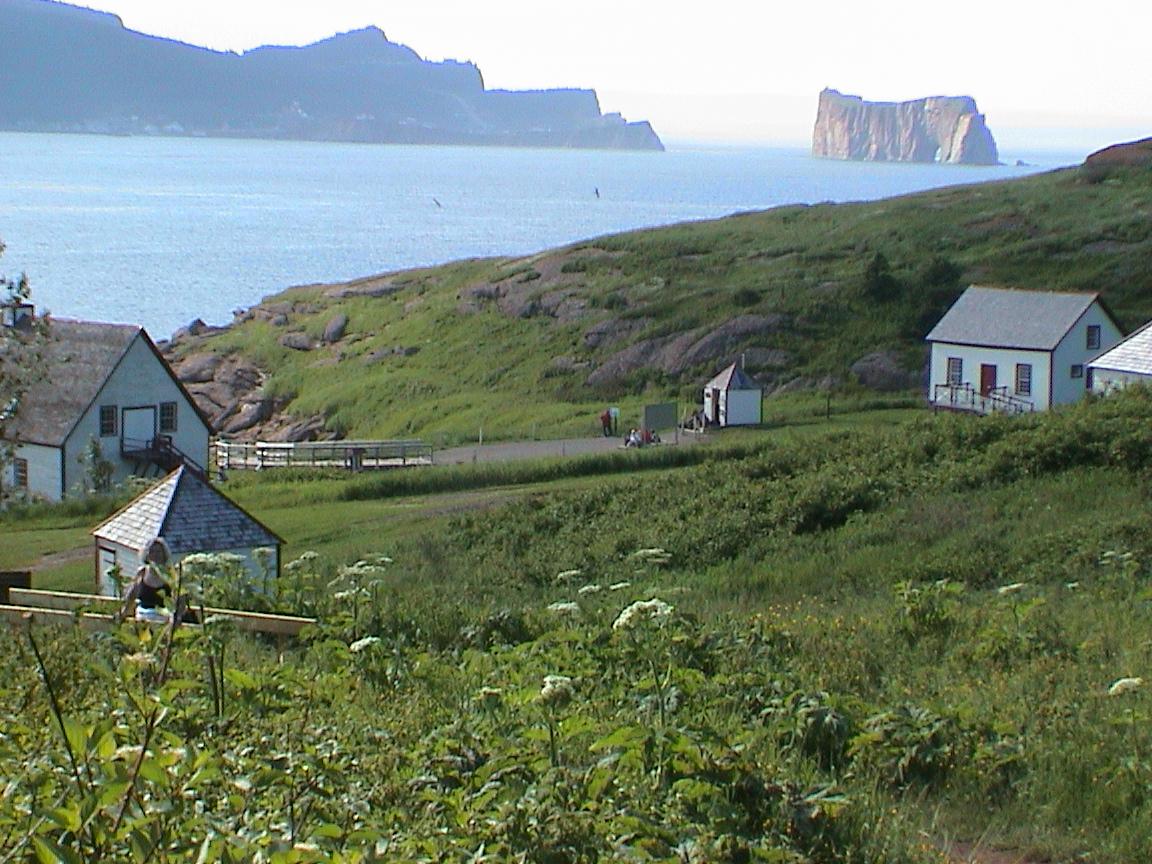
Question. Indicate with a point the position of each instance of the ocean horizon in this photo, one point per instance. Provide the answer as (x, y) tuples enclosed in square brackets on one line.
[(163, 231)]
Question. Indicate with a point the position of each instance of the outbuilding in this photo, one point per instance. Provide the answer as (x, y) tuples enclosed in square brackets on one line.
[(192, 516), (1000, 349), (1129, 362), (733, 399)]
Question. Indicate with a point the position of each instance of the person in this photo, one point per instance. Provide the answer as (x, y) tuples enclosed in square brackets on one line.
[(606, 422), (150, 586)]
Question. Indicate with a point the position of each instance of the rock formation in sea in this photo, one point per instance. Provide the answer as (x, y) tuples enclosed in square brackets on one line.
[(68, 69), (936, 129)]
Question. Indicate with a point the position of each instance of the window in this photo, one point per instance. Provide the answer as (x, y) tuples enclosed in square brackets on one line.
[(955, 371), (107, 421), (20, 473), (1077, 370), (1093, 335), (1023, 379), (167, 416)]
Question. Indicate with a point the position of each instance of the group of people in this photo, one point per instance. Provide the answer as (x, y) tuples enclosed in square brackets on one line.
[(641, 438)]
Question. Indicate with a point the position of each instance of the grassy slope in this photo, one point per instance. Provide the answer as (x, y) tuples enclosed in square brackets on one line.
[(489, 370)]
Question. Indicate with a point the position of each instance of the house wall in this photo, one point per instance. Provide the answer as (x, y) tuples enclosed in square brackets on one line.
[(1073, 350), (1107, 380), (44, 468), (128, 559), (140, 379), (740, 407), (1004, 359)]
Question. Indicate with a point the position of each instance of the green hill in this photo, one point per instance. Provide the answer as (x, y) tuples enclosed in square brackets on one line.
[(803, 292)]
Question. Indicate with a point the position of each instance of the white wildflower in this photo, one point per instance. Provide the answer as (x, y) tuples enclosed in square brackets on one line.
[(589, 589), (1125, 685), (564, 608), (557, 691), (619, 586), (490, 697), (641, 610), (363, 644), (652, 555), (140, 658), (568, 575), (1014, 588)]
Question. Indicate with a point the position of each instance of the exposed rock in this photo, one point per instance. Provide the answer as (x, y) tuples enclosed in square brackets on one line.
[(727, 338), (249, 414), (376, 286), (568, 363), (198, 368), (297, 341), (335, 328), (938, 128), (376, 355), (883, 371), (605, 334), (1134, 154)]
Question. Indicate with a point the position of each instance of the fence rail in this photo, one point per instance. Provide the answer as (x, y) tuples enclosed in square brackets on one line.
[(352, 455), (964, 397)]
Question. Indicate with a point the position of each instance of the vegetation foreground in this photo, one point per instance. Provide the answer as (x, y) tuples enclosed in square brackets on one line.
[(855, 646)]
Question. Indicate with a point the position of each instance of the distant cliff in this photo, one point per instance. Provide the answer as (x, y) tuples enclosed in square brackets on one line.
[(67, 69), (936, 129)]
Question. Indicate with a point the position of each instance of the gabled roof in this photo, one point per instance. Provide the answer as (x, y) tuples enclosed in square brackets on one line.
[(190, 515), (77, 360), (1009, 318), (732, 378), (1133, 354)]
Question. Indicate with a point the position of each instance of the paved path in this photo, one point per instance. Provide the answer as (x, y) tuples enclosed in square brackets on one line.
[(508, 451)]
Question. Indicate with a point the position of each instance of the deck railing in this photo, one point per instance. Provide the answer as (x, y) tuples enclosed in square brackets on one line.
[(159, 451), (965, 397), (352, 455)]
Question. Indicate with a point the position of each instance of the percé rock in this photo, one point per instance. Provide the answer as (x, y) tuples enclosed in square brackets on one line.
[(70, 69), (936, 129)]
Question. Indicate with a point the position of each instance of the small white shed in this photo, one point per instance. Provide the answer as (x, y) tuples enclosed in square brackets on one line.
[(192, 517), (733, 399), (1130, 362)]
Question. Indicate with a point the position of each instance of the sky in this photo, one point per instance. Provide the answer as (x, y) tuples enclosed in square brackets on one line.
[(746, 71)]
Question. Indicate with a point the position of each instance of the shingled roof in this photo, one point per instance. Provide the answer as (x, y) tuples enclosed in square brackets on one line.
[(732, 378), (1134, 354), (1009, 318), (190, 515)]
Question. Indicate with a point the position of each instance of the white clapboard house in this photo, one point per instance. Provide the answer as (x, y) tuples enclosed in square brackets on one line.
[(733, 399), (1001, 349), (193, 517), (106, 383), (1129, 362)]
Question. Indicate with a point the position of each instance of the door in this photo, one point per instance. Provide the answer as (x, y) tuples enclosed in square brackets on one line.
[(137, 428), (108, 586), (987, 378), (714, 419)]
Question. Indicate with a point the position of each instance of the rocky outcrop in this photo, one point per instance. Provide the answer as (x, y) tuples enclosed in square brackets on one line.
[(936, 129)]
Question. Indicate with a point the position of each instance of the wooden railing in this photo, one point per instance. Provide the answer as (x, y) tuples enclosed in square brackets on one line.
[(161, 452), (352, 455), (964, 397)]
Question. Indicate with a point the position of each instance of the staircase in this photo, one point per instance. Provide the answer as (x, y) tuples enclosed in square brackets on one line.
[(158, 456)]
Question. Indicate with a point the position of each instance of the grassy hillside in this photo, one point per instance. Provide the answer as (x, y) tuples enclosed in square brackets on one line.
[(854, 644), (538, 344)]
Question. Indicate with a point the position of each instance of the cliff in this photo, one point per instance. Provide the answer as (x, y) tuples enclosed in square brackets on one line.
[(936, 129), (68, 69)]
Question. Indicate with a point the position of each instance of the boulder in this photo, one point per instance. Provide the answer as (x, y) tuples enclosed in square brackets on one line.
[(297, 341), (198, 368), (335, 328)]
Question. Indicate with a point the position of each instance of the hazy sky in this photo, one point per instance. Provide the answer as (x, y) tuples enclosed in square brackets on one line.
[(746, 70)]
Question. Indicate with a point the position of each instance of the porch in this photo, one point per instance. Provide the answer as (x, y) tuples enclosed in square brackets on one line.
[(965, 397)]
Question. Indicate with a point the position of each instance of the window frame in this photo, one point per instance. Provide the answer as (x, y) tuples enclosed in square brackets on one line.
[(954, 371), (169, 417), (1092, 337), (1077, 371), (1023, 377), (20, 473), (109, 421)]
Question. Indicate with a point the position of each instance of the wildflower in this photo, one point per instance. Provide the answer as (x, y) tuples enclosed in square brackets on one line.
[(557, 691), (589, 589), (140, 658), (564, 608), (1124, 685), (641, 610), (652, 555), (619, 586), (567, 575), (1014, 588), (490, 697), (363, 644)]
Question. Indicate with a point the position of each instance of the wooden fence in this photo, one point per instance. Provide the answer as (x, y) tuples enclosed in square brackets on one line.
[(351, 455)]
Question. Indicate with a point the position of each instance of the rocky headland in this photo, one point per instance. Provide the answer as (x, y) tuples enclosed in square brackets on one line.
[(68, 69), (936, 129)]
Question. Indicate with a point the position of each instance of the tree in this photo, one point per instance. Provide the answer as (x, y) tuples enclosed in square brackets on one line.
[(879, 283), (22, 341)]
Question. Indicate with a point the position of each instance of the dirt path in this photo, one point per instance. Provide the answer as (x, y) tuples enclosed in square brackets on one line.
[(508, 451)]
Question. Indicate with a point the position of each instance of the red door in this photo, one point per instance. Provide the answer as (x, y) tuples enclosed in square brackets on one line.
[(987, 378)]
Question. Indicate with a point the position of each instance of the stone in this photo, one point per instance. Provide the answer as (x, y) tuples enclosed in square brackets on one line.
[(198, 368), (297, 341), (335, 328)]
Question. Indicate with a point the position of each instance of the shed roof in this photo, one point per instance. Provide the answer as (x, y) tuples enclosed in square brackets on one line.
[(190, 515), (1133, 354), (1010, 318), (732, 378), (76, 361)]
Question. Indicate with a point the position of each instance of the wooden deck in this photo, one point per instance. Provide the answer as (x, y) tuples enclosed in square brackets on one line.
[(350, 455)]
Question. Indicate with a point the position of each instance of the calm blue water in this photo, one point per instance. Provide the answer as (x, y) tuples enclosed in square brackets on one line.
[(160, 231)]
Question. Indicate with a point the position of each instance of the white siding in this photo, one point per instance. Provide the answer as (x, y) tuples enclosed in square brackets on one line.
[(128, 560), (1073, 350), (43, 470), (740, 407), (1107, 380), (1004, 359), (140, 379)]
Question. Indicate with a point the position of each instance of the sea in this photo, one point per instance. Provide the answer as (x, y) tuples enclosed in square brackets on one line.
[(164, 231)]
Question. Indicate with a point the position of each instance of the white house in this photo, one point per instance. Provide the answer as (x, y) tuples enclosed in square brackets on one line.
[(1129, 362), (191, 516), (1001, 349), (109, 384), (733, 399)]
